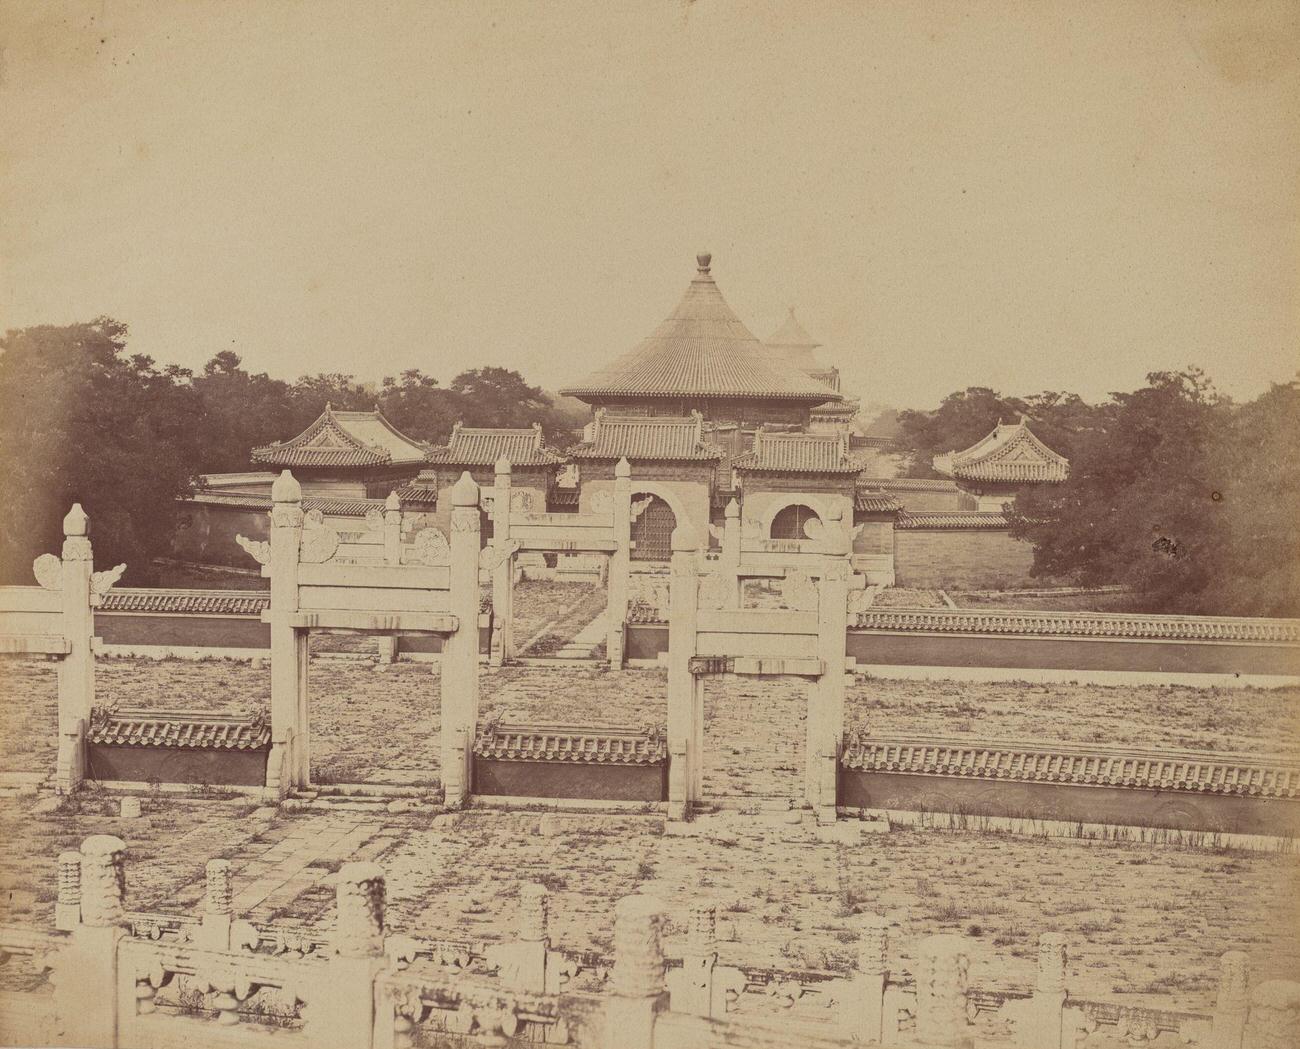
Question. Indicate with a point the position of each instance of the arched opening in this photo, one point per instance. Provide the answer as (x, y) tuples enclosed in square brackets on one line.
[(652, 531), (789, 523)]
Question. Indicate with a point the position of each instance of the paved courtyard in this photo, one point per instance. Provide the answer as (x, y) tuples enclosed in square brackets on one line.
[(1144, 920)]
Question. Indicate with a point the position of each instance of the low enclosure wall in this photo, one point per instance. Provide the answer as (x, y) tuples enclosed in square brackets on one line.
[(1250, 648), (1176, 790), (148, 746), (557, 761)]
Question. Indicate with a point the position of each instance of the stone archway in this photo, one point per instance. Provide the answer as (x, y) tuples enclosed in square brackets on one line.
[(789, 521), (652, 530)]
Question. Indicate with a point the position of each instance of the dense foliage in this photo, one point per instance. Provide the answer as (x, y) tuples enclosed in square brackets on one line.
[(1173, 490), (82, 420)]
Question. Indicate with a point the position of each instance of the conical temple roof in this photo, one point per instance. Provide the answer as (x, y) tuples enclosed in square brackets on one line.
[(792, 343), (702, 350)]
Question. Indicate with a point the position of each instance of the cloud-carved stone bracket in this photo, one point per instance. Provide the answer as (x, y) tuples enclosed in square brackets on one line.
[(258, 549)]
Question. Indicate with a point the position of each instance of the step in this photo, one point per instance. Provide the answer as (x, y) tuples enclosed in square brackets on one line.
[(363, 791)]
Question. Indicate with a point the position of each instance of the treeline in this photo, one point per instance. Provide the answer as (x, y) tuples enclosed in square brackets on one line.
[(83, 420), (1174, 490)]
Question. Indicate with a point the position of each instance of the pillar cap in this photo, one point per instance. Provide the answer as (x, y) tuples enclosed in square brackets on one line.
[(623, 468), (733, 507), (684, 539), (464, 492), (102, 845), (76, 522), (286, 489), (392, 502), (503, 465)]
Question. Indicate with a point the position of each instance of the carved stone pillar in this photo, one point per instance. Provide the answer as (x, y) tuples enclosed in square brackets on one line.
[(684, 692), (620, 564), (534, 912), (217, 906), (342, 1011), (503, 566), (1041, 1018), (103, 880), (638, 978), (941, 979), (826, 703), (76, 672), (527, 956), (868, 1017), (359, 918), (1232, 1005), (392, 530), (460, 652), (692, 986), (67, 908), (729, 564), (288, 763)]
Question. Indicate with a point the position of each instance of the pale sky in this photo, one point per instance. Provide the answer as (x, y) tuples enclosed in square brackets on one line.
[(1047, 195)]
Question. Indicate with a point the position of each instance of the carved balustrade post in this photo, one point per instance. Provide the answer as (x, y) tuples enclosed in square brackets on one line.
[(1041, 1022), (392, 530), (503, 567), (218, 906), (460, 682), (87, 999), (67, 908), (685, 692), (341, 1004), (941, 981), (867, 1011), (638, 993), (76, 670), (692, 986), (620, 565), (1232, 1005), (525, 968), (288, 763)]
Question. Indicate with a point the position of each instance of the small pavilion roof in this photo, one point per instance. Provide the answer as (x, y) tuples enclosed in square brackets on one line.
[(483, 446), (344, 439), (799, 453), (701, 350), (634, 437), (792, 343), (1011, 454)]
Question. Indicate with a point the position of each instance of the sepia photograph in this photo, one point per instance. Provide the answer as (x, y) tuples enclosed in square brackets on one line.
[(661, 524)]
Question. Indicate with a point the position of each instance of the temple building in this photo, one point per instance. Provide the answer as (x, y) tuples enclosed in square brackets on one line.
[(994, 468), (703, 359), (357, 455)]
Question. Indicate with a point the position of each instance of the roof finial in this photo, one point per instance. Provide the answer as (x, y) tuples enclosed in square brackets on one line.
[(703, 261)]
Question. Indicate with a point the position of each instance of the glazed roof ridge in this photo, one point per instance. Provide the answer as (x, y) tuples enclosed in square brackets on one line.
[(665, 437), (798, 453), (701, 349), (484, 445)]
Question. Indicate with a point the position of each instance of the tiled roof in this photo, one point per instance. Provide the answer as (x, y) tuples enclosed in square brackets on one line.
[(152, 728), (562, 497), (871, 440), (792, 343), (187, 602), (1081, 624), (875, 502), (589, 745), (1206, 773), (645, 437), (331, 505), (701, 350), (1011, 454), (952, 519), (341, 439), (422, 492), (798, 453), (909, 484), (473, 446)]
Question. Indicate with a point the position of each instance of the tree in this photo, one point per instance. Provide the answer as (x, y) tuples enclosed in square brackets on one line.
[(83, 421), (419, 407), (312, 392), (241, 411), (495, 396), (1143, 505)]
